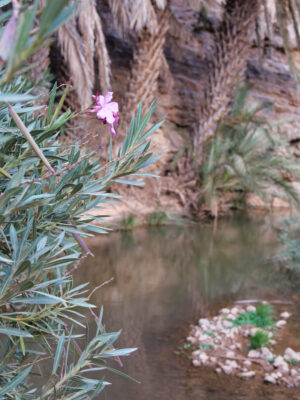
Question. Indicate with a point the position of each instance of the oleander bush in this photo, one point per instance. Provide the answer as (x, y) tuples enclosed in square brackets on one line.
[(47, 192)]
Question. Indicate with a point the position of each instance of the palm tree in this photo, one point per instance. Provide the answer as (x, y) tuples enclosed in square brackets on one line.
[(150, 21)]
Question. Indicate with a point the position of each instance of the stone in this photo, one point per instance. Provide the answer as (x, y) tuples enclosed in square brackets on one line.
[(247, 363), (282, 365), (191, 339), (266, 353), (235, 311), (247, 375), (203, 357), (196, 363), (218, 370), (291, 354), (280, 324), (285, 315), (253, 331), (238, 346), (254, 354), (231, 316), (251, 309), (232, 363), (294, 372), (227, 324), (213, 360), (230, 354), (272, 342), (227, 369), (225, 311), (270, 379), (278, 361), (204, 322)]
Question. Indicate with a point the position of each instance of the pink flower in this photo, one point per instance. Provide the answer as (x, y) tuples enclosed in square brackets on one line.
[(106, 110)]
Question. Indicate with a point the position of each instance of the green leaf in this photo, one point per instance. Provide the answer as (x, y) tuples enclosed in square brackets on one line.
[(59, 349), (36, 200), (15, 382), (16, 98), (14, 332)]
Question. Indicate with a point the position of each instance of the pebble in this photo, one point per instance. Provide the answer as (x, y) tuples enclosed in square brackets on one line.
[(235, 310), (278, 361), (254, 354), (270, 379), (251, 308), (266, 353), (247, 375), (232, 363), (204, 322), (247, 363), (227, 369), (291, 354), (285, 315), (282, 365), (191, 339), (230, 354), (203, 357), (227, 324), (280, 323), (218, 370), (294, 372), (253, 331), (196, 362), (231, 316), (225, 311), (284, 368)]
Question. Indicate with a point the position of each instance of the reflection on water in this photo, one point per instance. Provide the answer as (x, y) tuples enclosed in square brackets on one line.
[(166, 278)]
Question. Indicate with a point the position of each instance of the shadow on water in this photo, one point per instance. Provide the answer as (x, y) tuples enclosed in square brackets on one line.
[(165, 279)]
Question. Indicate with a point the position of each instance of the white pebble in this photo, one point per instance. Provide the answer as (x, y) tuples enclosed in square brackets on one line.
[(251, 309), (285, 315), (280, 323)]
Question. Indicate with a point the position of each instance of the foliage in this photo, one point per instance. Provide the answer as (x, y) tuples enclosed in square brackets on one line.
[(261, 318), (157, 218), (290, 240), (46, 194), (129, 222), (260, 339), (248, 156), (292, 361)]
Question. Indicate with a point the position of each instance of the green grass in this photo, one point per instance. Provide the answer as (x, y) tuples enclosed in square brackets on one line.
[(209, 333), (292, 361), (260, 339), (157, 218), (261, 318), (129, 222)]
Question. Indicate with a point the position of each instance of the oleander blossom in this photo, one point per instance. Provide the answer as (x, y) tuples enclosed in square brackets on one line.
[(106, 110)]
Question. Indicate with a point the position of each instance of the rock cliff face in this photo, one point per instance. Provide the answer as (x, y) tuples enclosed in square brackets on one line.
[(189, 51)]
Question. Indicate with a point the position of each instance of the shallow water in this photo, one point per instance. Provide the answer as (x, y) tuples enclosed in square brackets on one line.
[(166, 279)]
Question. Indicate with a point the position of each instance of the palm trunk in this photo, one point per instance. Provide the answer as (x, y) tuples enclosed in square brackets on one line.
[(147, 62), (233, 43)]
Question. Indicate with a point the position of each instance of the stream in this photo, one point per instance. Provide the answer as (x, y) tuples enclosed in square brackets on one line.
[(165, 279)]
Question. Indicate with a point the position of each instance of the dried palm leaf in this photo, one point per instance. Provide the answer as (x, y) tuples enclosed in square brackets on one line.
[(137, 14), (94, 42)]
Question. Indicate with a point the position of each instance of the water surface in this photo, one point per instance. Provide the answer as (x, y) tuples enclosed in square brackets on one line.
[(167, 278)]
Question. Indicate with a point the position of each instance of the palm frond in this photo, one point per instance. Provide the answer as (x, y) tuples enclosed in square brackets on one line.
[(137, 14)]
